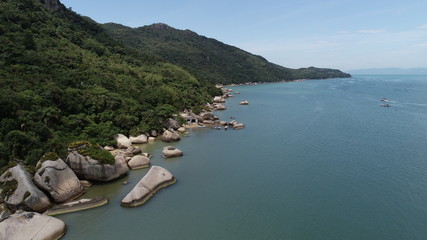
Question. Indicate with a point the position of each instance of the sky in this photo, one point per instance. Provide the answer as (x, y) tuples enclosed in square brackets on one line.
[(343, 34)]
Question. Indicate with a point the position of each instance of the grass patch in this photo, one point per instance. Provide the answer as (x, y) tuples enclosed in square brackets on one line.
[(8, 188), (94, 151)]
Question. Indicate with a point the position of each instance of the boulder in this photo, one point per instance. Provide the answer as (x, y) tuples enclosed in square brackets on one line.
[(208, 122), (139, 161), (207, 116), (109, 148), (122, 141), (220, 107), (169, 152), (156, 178), (19, 192), (171, 123), (140, 139), (56, 178), (151, 139), (91, 169), (30, 225), (181, 130), (134, 150), (238, 126), (153, 133), (169, 136)]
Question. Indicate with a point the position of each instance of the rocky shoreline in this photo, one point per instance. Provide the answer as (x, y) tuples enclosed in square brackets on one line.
[(56, 182)]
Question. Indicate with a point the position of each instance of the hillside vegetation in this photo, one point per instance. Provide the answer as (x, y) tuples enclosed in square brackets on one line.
[(63, 78), (209, 59)]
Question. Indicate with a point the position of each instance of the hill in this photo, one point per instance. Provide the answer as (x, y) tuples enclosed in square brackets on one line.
[(209, 59), (63, 78)]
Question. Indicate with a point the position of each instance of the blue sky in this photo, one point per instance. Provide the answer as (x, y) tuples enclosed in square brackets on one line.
[(344, 34)]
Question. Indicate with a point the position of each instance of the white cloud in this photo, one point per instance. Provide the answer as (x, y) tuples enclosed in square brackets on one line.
[(423, 26), (371, 31)]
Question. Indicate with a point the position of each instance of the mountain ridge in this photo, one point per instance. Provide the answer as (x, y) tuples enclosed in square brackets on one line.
[(208, 58)]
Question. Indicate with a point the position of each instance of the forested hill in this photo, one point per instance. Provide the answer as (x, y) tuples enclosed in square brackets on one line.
[(63, 78), (208, 58)]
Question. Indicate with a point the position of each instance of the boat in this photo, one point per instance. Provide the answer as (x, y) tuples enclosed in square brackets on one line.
[(385, 105), (384, 99)]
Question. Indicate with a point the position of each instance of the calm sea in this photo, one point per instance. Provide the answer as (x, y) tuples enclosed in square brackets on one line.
[(317, 160)]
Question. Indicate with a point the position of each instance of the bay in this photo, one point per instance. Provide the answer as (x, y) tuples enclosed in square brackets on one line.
[(318, 159)]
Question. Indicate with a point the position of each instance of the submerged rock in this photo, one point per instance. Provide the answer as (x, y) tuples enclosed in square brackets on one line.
[(56, 178), (78, 205), (30, 225), (156, 178), (19, 192), (169, 152)]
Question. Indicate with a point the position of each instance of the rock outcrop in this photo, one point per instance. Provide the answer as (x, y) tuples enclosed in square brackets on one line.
[(56, 178), (30, 225), (170, 136), (139, 139), (91, 169), (139, 161), (122, 141), (156, 178), (19, 192), (169, 152)]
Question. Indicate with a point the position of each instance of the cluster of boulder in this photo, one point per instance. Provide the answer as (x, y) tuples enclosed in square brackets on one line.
[(57, 182)]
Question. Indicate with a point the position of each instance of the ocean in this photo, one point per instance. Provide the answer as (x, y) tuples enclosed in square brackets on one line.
[(318, 159)]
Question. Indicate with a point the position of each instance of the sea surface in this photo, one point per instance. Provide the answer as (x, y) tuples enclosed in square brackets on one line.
[(318, 159)]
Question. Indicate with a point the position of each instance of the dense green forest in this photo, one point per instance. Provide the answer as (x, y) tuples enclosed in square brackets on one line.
[(209, 59), (63, 78)]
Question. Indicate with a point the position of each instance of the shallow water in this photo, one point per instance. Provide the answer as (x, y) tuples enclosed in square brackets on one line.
[(317, 160)]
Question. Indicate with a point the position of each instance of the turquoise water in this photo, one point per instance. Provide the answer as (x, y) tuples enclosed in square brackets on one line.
[(317, 160)]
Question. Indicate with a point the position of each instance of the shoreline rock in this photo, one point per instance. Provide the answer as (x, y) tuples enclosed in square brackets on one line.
[(170, 136), (170, 152), (55, 177), (19, 192), (79, 205), (30, 225), (156, 179), (122, 141), (138, 162), (90, 169)]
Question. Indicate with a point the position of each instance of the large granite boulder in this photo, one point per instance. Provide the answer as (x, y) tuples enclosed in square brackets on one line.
[(139, 139), (30, 225), (122, 141), (207, 116), (95, 164), (19, 192), (55, 177), (171, 123), (139, 161), (170, 136), (156, 178), (169, 152)]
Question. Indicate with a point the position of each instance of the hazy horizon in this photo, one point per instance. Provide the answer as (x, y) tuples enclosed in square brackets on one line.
[(337, 34)]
